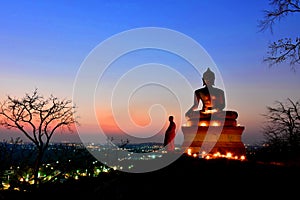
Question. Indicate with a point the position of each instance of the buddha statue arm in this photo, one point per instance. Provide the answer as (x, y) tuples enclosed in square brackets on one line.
[(221, 100), (194, 107)]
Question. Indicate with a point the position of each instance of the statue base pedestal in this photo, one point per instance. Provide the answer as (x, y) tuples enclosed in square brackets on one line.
[(212, 140)]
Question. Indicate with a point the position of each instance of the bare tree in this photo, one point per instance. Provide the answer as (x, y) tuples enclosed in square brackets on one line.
[(285, 49), (38, 118), (282, 128)]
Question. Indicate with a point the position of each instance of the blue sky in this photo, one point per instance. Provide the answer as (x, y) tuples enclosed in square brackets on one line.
[(43, 44)]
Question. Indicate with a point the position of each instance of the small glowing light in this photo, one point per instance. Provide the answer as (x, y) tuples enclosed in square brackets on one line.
[(228, 155), (5, 186), (215, 124), (189, 152), (194, 155), (210, 111), (187, 124), (207, 157), (217, 154), (203, 124), (203, 154), (105, 170), (243, 157), (130, 166)]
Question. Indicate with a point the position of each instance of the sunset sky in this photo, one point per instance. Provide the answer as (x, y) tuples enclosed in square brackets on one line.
[(43, 44)]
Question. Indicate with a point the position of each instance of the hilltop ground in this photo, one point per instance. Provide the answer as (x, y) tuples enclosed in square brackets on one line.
[(186, 178)]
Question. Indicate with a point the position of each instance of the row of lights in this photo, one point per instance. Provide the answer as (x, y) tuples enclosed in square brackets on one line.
[(207, 156), (203, 124)]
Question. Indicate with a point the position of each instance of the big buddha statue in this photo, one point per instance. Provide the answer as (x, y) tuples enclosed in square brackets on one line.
[(212, 98), (208, 124)]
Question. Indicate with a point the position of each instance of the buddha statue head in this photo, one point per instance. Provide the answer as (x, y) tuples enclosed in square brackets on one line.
[(208, 78)]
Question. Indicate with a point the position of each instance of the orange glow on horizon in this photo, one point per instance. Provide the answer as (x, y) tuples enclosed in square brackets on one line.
[(107, 122), (36, 123), (138, 128)]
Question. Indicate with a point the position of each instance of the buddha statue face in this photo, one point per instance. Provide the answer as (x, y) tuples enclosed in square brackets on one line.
[(208, 78)]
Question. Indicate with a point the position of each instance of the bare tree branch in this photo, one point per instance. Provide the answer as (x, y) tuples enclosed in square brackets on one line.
[(282, 125), (287, 49), (282, 8), (284, 50)]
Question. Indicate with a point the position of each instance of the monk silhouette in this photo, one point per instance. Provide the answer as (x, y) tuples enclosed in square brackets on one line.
[(170, 135)]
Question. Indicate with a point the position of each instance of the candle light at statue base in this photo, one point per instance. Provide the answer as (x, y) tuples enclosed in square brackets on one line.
[(214, 140)]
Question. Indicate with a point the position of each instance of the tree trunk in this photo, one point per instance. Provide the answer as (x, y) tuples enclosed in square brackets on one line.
[(37, 165)]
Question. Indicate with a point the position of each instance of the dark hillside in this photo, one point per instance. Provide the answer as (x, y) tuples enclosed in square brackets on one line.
[(186, 178)]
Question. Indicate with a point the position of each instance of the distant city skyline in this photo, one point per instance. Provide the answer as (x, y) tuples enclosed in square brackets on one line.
[(44, 44)]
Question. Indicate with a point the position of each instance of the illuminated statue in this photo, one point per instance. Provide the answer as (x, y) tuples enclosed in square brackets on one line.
[(212, 99), (211, 128)]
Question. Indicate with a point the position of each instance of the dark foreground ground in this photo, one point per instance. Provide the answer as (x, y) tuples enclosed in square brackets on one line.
[(186, 178)]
